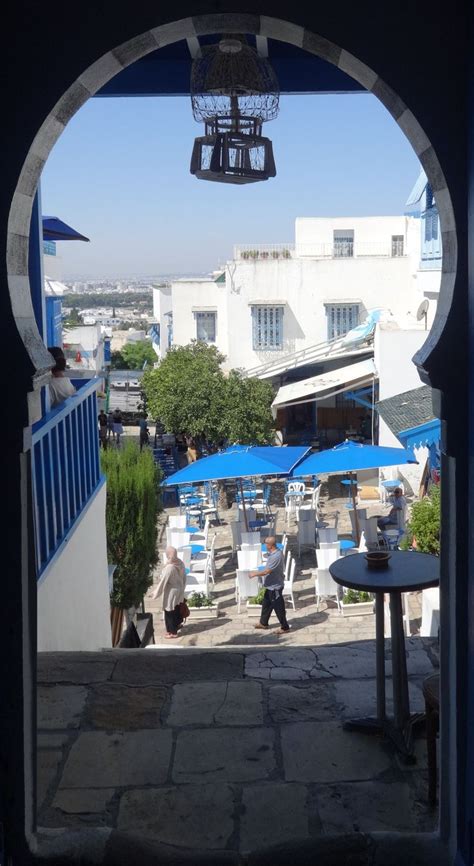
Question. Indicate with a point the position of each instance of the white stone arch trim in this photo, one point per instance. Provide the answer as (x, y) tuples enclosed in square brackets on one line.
[(107, 66)]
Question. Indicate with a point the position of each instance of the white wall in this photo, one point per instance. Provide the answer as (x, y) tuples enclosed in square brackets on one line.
[(393, 352), (202, 294), (303, 284), (73, 596), (370, 233), (162, 304)]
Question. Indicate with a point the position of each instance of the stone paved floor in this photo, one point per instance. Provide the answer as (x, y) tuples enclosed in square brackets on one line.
[(308, 626), (197, 748), (231, 739)]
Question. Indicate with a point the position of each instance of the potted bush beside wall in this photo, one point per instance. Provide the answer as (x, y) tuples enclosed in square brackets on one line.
[(356, 603), (202, 606)]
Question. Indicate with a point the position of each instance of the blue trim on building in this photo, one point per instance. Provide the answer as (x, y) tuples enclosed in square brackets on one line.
[(65, 469), (422, 436), (72, 529)]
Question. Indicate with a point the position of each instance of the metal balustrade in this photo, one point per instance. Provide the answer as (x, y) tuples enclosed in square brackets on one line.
[(65, 469), (334, 250)]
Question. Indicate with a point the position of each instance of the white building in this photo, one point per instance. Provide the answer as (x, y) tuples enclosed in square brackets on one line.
[(278, 299)]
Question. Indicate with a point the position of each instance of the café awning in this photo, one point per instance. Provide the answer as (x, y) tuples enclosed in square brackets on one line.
[(326, 384)]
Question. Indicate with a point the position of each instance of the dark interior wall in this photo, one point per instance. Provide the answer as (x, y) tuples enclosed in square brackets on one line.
[(420, 51)]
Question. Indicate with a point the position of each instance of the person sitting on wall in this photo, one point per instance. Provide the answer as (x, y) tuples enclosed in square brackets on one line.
[(60, 387), (398, 503)]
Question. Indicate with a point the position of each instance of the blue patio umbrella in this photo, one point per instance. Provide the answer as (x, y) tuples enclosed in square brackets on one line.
[(239, 462), (55, 229), (352, 456)]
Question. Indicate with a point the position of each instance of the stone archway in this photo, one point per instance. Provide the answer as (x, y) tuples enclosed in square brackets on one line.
[(107, 66)]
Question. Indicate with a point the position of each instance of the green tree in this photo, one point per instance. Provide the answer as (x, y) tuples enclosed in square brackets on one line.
[(187, 391), (73, 320), (132, 508), (190, 393), (132, 356), (248, 417), (425, 523)]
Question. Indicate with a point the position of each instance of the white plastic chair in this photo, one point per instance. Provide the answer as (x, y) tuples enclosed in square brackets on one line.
[(327, 553), (326, 587), (249, 559), (327, 535), (178, 538), (296, 487), (202, 537), (198, 581), (288, 585), (184, 553), (250, 538), (235, 529), (430, 612), (288, 562), (177, 521), (205, 558), (306, 531), (245, 587)]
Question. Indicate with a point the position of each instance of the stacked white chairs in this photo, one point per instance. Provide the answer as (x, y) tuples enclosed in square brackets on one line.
[(184, 553), (288, 585), (235, 529), (178, 538), (249, 558), (306, 529), (210, 505), (177, 521), (202, 537), (327, 553), (430, 612), (361, 519), (327, 534), (205, 559), (250, 538), (198, 581), (326, 587), (250, 512), (245, 587)]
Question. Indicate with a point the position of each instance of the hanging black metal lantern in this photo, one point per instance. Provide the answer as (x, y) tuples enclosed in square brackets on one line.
[(234, 91)]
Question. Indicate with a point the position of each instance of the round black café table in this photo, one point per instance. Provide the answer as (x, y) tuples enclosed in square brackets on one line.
[(407, 571)]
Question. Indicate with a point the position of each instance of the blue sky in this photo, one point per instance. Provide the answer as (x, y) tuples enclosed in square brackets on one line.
[(120, 175)]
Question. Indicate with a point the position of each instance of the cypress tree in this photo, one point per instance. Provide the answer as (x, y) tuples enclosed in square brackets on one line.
[(133, 504)]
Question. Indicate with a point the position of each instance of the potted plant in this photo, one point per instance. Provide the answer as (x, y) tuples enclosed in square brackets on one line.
[(264, 254), (275, 254), (245, 254), (253, 254), (254, 604), (356, 603), (202, 606), (286, 254)]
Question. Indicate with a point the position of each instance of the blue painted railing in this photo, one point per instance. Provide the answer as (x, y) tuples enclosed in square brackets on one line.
[(65, 469)]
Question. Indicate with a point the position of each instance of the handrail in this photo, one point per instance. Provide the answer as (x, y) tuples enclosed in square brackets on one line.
[(318, 351), (65, 469)]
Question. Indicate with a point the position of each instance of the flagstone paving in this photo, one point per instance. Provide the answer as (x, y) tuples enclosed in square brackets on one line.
[(203, 762), (231, 739)]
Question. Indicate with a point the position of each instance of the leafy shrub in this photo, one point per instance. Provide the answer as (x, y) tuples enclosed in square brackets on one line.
[(258, 599), (200, 599), (131, 515), (354, 596), (425, 523)]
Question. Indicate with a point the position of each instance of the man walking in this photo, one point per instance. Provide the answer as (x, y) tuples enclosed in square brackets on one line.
[(273, 581)]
